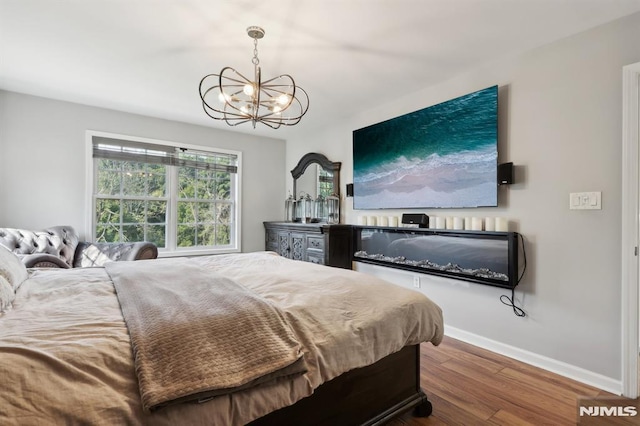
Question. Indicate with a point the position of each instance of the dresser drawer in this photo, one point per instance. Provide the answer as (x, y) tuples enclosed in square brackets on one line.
[(315, 257), (316, 243)]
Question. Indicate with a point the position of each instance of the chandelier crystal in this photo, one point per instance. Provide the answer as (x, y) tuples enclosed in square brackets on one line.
[(232, 97)]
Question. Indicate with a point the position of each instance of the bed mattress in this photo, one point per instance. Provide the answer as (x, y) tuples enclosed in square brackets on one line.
[(66, 355)]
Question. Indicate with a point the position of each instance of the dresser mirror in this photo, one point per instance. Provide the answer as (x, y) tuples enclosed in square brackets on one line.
[(316, 189), (316, 175)]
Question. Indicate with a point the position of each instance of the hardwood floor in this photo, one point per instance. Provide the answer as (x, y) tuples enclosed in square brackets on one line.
[(468, 385)]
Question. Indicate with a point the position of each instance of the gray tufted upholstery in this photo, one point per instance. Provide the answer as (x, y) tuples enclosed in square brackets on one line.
[(59, 247)]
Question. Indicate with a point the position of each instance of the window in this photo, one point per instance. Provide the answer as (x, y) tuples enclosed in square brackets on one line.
[(325, 182), (181, 198)]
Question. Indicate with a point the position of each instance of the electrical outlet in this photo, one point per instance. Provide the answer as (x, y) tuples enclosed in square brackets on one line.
[(416, 281)]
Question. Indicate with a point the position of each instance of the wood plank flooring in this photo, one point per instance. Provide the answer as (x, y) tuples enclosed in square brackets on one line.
[(468, 385)]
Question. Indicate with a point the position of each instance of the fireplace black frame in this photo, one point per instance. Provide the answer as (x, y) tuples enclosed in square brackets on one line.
[(512, 239)]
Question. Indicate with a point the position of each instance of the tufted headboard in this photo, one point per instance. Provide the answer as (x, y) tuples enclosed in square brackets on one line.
[(60, 241)]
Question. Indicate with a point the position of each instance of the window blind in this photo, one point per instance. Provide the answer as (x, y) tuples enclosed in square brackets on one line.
[(124, 150)]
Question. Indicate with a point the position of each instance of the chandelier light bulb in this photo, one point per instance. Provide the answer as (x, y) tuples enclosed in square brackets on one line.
[(248, 89), (232, 97), (283, 99)]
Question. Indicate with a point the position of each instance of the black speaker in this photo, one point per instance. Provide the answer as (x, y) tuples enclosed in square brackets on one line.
[(420, 219), (505, 174), (349, 190)]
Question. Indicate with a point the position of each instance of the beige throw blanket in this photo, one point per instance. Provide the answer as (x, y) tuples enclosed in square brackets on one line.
[(196, 334)]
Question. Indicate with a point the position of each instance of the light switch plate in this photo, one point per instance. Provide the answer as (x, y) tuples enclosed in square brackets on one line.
[(585, 200)]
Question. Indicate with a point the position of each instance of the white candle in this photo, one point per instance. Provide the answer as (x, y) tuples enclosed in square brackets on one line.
[(371, 221), (440, 222), (476, 223), (393, 221), (432, 222), (458, 223), (489, 224), (383, 221), (449, 222), (502, 224), (467, 223)]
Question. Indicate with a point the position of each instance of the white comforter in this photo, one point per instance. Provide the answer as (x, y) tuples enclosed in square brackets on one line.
[(65, 355)]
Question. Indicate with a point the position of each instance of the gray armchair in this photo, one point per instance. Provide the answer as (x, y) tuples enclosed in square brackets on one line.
[(59, 247)]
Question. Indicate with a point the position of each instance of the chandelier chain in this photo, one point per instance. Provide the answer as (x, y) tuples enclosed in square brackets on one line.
[(255, 60)]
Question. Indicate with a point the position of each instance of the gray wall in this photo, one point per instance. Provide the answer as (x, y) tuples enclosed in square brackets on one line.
[(42, 162), (560, 123)]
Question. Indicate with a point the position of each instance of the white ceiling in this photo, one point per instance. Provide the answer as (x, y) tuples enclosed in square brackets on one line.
[(148, 56)]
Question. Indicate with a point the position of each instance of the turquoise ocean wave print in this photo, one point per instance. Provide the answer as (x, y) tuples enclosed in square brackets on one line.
[(443, 156)]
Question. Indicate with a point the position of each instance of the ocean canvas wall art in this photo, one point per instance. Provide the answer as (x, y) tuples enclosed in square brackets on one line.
[(443, 156)]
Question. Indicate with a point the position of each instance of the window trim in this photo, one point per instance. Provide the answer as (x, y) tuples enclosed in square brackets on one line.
[(90, 200)]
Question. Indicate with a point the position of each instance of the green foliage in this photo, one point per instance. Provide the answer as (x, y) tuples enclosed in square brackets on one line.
[(325, 183), (132, 204)]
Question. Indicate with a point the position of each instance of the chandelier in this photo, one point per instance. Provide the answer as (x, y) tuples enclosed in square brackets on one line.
[(232, 97)]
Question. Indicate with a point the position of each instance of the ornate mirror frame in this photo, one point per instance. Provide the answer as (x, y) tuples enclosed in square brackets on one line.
[(324, 162)]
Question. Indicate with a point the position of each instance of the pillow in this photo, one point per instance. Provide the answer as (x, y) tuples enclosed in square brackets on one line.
[(11, 268), (7, 295)]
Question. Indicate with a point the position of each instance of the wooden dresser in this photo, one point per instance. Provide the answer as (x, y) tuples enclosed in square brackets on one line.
[(313, 242)]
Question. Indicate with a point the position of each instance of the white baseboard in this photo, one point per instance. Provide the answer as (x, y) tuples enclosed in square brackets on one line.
[(567, 370)]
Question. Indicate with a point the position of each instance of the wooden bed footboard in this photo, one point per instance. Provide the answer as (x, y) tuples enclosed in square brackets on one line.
[(370, 395)]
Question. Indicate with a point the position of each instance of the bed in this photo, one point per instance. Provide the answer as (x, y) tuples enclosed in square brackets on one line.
[(66, 352)]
